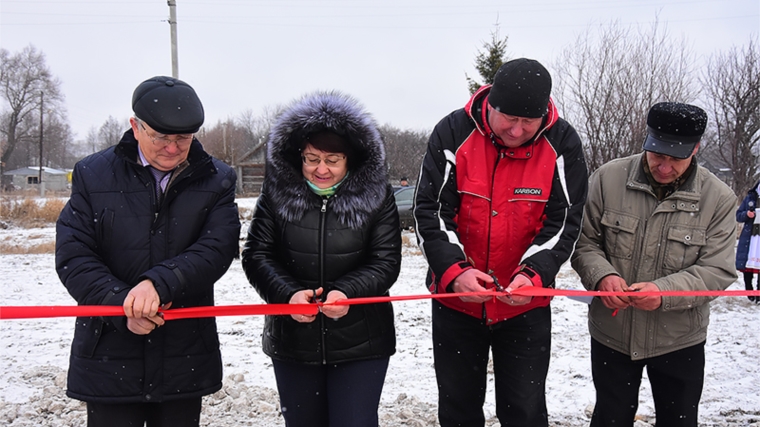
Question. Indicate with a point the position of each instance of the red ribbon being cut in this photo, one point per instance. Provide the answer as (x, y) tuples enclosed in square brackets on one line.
[(32, 312)]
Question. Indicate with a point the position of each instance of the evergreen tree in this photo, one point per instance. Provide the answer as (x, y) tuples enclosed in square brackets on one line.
[(488, 61)]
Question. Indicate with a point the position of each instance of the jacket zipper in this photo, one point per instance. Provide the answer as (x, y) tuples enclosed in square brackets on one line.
[(322, 221), (490, 224), (638, 252)]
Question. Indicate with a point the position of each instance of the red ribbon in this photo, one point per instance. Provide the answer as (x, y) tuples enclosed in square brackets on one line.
[(30, 312)]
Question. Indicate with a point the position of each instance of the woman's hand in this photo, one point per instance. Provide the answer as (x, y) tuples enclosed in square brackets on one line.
[(306, 296), (335, 311)]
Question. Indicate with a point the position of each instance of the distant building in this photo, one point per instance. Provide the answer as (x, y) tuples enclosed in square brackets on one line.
[(250, 169), (718, 168), (28, 178)]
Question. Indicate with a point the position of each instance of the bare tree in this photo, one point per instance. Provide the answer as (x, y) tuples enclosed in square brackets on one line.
[(732, 86), (92, 141), (404, 150), (57, 142), (24, 76), (489, 60), (606, 84), (110, 132), (225, 140), (257, 127)]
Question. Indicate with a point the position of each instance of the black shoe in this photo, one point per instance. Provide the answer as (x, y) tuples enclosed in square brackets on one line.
[(751, 298)]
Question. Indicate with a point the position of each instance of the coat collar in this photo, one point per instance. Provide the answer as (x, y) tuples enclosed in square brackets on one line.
[(477, 109), (689, 189)]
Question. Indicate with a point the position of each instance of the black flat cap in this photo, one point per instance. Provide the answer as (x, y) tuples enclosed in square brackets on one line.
[(674, 129), (168, 105)]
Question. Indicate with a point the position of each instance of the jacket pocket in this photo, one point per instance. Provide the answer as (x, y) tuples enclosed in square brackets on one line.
[(682, 247), (104, 231), (619, 234), (88, 331)]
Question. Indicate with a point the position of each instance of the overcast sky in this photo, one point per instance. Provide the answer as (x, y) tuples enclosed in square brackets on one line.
[(405, 60)]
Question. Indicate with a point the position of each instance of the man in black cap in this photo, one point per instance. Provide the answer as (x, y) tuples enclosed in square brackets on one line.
[(498, 206), (151, 223), (655, 221)]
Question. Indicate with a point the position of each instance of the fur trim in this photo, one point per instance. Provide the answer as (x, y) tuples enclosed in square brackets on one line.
[(363, 191)]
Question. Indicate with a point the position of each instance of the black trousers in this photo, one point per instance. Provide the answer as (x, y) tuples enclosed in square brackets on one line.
[(521, 349), (174, 413), (748, 280), (332, 395), (676, 379)]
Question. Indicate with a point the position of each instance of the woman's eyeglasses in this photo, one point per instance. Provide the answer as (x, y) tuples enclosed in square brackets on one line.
[(331, 160)]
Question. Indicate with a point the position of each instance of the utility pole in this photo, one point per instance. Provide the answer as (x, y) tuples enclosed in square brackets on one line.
[(39, 178), (173, 26)]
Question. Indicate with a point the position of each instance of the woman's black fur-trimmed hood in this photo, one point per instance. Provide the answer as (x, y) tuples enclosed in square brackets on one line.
[(361, 193)]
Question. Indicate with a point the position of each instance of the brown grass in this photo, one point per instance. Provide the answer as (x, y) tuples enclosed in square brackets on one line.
[(42, 248), (245, 213), (28, 213), (409, 244)]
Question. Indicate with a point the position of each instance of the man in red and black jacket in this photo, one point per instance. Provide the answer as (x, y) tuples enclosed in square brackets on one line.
[(499, 204)]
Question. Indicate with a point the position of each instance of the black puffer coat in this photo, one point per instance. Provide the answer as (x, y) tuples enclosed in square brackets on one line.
[(109, 238), (742, 248), (350, 242)]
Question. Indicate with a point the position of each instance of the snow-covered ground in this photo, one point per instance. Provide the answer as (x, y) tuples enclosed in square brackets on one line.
[(34, 355)]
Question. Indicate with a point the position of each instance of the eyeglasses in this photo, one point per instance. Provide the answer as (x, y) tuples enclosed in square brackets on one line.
[(161, 140), (331, 160)]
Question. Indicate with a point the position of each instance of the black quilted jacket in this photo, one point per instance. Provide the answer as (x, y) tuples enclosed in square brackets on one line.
[(350, 242), (110, 237)]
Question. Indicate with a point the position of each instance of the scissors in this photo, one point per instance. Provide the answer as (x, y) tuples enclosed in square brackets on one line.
[(497, 284)]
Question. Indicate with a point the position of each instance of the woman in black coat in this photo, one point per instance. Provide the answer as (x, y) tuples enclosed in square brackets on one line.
[(326, 228), (745, 214)]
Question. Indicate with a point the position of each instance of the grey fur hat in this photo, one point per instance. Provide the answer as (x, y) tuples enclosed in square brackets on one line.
[(362, 192)]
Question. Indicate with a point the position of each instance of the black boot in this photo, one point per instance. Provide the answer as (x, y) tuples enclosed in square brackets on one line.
[(748, 286)]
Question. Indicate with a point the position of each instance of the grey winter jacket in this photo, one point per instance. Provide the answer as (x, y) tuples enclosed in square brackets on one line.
[(684, 242)]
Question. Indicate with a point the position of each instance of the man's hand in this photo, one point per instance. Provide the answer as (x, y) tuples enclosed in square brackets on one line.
[(750, 214), (142, 301), (614, 283), (144, 325), (647, 303), (519, 281), (469, 281), (335, 311)]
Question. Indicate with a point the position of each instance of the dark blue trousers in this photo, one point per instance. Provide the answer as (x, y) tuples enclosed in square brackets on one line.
[(174, 413), (521, 349), (676, 379), (332, 395)]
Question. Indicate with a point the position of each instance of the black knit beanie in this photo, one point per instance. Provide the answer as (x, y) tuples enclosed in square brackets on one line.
[(521, 88)]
